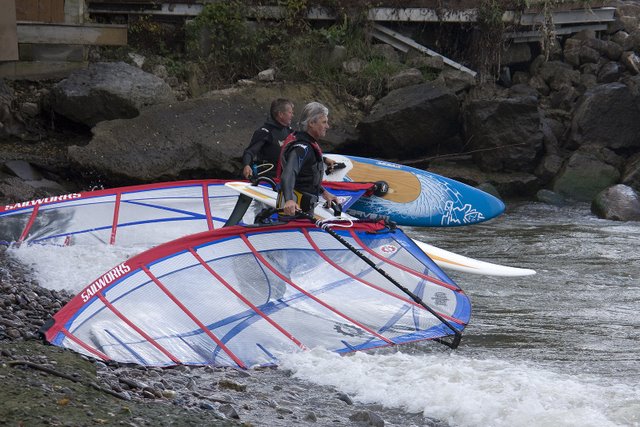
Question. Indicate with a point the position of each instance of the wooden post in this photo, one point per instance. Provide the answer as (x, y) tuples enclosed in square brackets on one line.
[(8, 31)]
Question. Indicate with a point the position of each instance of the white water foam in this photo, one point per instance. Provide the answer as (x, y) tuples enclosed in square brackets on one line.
[(469, 392), (73, 267)]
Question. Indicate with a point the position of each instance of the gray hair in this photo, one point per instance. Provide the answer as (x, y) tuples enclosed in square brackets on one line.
[(310, 114), (279, 106)]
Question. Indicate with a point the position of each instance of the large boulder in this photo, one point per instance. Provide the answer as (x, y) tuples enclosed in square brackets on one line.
[(410, 121), (618, 203), (583, 176), (504, 134), (107, 91), (607, 115), (199, 138)]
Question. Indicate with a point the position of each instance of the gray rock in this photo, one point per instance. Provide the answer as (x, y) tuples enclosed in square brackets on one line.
[(550, 197), (588, 55), (367, 418), (619, 203), (548, 167), (411, 120), (583, 176), (345, 398), (409, 77), (268, 75), (504, 133), (572, 51), (23, 170), (456, 81), (310, 417), (30, 109), (631, 172), (607, 115), (631, 61), (610, 72), (385, 51), (622, 39), (487, 187), (229, 411), (107, 91)]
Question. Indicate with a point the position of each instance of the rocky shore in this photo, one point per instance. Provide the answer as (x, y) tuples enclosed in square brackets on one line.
[(46, 385)]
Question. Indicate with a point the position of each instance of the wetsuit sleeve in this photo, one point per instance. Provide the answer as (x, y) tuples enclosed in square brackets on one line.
[(293, 165), (258, 140)]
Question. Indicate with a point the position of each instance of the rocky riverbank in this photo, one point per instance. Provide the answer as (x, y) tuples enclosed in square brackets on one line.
[(46, 385)]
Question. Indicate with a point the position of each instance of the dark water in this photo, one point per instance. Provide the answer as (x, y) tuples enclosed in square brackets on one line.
[(560, 348), (579, 313)]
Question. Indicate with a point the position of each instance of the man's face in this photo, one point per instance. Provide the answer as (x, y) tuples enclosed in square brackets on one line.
[(318, 129), (285, 117)]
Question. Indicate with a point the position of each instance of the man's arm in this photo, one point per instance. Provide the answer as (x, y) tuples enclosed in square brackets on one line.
[(258, 140), (295, 159)]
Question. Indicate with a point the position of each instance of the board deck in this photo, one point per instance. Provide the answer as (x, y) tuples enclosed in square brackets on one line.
[(416, 197)]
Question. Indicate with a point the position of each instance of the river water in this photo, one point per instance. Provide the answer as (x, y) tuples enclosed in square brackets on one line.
[(561, 348)]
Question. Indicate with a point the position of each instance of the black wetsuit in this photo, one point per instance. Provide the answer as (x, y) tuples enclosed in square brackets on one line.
[(265, 144), (302, 171)]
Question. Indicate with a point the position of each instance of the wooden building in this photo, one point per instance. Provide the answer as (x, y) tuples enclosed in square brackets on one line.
[(46, 38), (49, 38)]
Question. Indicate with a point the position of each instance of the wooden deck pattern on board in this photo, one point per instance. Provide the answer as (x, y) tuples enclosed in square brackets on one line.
[(404, 187)]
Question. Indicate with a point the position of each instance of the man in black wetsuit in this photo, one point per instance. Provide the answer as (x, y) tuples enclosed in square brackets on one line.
[(264, 148), (302, 163)]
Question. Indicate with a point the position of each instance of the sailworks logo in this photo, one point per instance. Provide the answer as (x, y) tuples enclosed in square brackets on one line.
[(42, 201), (105, 280)]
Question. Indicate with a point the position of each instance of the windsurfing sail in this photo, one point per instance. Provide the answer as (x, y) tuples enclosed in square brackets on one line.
[(144, 214), (241, 296)]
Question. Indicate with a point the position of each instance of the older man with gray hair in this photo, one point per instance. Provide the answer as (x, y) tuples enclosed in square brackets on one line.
[(302, 163)]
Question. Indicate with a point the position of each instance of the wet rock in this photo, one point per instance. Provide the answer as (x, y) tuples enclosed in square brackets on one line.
[(310, 417), (231, 385), (619, 203), (345, 398), (583, 176), (229, 411), (367, 418), (550, 197)]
